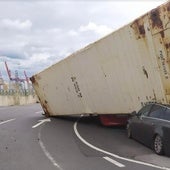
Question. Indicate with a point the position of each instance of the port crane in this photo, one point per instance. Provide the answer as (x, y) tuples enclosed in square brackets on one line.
[(26, 77), (16, 78)]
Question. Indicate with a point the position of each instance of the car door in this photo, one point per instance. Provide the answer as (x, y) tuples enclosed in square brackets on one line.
[(151, 122), (166, 131), (137, 125)]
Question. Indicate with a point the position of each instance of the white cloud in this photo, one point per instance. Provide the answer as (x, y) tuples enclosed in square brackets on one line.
[(36, 62), (37, 57), (54, 31), (99, 29), (17, 24), (73, 33)]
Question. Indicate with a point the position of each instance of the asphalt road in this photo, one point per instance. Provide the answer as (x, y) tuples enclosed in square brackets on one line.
[(28, 142)]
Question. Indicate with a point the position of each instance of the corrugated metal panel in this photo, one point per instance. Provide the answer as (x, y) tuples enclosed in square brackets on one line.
[(116, 74)]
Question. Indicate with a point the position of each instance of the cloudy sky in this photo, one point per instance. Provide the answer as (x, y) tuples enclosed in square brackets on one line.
[(36, 34)]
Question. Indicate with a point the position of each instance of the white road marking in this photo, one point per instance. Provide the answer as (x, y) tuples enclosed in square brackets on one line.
[(39, 112), (114, 162), (41, 122), (47, 154), (114, 155), (6, 121)]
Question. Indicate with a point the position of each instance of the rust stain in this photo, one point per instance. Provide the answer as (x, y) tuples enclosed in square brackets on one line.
[(162, 34), (33, 79), (141, 30), (155, 18), (168, 6), (138, 27), (167, 45), (166, 14)]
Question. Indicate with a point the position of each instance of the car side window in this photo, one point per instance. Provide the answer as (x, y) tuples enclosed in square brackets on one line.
[(145, 110), (157, 111), (166, 115)]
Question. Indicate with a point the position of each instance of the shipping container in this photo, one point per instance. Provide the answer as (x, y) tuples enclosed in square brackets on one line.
[(114, 75)]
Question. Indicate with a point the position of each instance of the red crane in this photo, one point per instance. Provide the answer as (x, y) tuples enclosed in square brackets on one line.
[(16, 79), (8, 71), (26, 77)]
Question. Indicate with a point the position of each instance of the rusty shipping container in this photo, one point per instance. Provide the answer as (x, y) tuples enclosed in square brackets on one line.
[(115, 75)]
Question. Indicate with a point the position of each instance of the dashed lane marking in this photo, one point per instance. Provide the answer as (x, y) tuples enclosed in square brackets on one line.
[(114, 162), (47, 154), (6, 121)]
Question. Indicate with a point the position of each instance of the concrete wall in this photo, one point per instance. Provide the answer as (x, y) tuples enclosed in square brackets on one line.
[(8, 98)]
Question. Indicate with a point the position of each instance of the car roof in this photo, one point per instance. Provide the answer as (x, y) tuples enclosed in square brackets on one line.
[(160, 104)]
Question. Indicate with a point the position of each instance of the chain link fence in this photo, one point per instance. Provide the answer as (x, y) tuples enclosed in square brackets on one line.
[(12, 92)]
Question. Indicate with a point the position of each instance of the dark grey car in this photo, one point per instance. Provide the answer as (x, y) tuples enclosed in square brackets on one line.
[(151, 126)]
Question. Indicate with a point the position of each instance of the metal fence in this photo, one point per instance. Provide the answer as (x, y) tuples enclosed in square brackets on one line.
[(11, 92)]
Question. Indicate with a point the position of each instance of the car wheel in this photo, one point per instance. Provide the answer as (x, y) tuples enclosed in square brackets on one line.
[(129, 132), (158, 145)]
